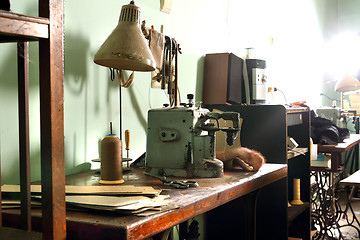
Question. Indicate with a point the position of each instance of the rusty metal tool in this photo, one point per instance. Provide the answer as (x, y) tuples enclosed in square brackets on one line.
[(175, 183)]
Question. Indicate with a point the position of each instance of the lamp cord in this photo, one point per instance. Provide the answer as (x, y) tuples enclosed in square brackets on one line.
[(122, 81), (120, 109), (112, 78), (322, 94)]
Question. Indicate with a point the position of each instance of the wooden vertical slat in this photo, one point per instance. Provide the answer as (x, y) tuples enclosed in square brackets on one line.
[(52, 122), (24, 146)]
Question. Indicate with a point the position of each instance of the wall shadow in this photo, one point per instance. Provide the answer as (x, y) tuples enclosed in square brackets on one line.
[(136, 107), (75, 81), (199, 79), (76, 50)]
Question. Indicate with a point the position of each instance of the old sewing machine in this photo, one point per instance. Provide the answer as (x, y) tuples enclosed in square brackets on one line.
[(181, 141), (337, 115)]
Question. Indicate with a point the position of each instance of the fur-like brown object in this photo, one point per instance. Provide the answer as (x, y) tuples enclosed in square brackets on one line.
[(245, 158)]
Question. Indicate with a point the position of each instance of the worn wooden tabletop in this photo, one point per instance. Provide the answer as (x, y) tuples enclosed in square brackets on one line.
[(340, 147), (336, 151), (211, 193), (352, 180)]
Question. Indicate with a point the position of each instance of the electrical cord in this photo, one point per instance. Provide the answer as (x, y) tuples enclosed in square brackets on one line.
[(322, 94), (277, 89)]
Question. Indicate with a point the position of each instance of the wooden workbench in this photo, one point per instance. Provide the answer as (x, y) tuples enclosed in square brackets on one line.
[(336, 151), (211, 193)]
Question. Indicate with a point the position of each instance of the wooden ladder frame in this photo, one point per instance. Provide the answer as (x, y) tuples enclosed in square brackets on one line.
[(47, 29)]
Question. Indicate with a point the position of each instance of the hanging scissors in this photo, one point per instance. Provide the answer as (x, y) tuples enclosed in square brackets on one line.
[(175, 183)]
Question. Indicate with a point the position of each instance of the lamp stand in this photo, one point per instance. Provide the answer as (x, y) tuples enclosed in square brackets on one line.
[(120, 109)]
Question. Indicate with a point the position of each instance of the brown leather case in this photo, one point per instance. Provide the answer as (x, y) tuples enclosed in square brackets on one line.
[(223, 79)]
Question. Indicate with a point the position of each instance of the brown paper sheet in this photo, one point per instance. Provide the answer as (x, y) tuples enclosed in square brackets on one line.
[(94, 190)]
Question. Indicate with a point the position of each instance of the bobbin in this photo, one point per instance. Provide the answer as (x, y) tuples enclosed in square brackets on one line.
[(111, 160)]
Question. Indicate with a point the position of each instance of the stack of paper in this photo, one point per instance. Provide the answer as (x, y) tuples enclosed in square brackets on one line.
[(133, 204), (121, 198), (119, 190)]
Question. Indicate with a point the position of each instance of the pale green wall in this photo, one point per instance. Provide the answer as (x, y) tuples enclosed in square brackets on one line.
[(285, 33), (288, 34)]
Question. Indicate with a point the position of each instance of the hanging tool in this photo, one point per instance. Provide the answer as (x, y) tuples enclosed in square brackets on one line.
[(127, 148), (171, 50)]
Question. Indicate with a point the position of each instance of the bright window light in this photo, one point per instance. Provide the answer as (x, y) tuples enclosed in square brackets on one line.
[(343, 55)]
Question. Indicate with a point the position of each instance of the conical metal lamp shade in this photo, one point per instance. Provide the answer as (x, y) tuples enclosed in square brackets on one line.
[(126, 48), (347, 83)]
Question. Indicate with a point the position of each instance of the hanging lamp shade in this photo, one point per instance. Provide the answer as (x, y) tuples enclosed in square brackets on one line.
[(347, 83), (126, 48)]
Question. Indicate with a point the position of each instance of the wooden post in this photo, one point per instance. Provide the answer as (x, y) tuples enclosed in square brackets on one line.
[(24, 146), (51, 56)]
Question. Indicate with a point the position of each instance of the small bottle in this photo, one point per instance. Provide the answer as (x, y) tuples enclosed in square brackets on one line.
[(190, 98)]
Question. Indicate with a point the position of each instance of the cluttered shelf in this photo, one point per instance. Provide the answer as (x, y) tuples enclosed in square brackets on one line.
[(183, 204), (335, 151), (292, 153)]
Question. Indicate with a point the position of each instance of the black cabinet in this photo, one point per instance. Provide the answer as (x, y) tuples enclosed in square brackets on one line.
[(266, 129)]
